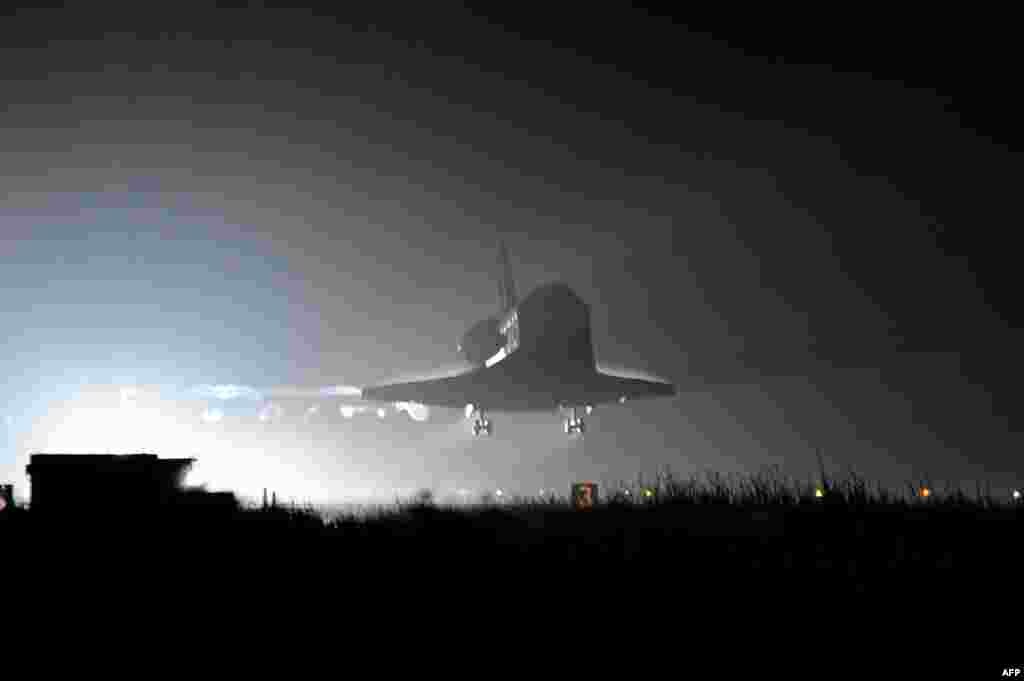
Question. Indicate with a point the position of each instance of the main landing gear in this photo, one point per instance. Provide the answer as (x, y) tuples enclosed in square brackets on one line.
[(575, 424), (481, 425)]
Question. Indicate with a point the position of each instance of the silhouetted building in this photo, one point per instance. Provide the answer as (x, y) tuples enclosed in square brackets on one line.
[(85, 482)]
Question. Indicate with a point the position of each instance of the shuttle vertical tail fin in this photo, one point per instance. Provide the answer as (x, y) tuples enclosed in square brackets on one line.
[(506, 284)]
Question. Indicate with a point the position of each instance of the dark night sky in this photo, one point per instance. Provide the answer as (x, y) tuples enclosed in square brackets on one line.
[(818, 256)]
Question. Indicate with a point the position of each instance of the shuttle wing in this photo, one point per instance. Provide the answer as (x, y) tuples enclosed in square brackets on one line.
[(448, 391), (632, 384), (520, 387), (621, 388)]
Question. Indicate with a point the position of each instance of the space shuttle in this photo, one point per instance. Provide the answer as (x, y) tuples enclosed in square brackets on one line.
[(532, 355)]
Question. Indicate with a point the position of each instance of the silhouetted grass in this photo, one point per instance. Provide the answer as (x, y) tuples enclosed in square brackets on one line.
[(722, 526)]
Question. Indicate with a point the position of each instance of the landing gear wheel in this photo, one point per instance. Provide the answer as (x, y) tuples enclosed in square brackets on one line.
[(482, 424), (574, 424)]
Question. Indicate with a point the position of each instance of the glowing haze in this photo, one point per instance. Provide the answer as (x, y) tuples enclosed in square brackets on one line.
[(275, 208)]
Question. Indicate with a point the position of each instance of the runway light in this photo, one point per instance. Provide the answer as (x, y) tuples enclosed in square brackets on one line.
[(925, 492), (622, 400), (271, 412), (226, 392), (213, 415), (648, 493), (416, 411), (499, 493), (342, 391), (381, 413), (129, 397), (819, 493), (1016, 494)]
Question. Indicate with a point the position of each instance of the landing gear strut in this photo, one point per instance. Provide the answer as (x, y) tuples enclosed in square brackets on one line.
[(481, 425), (574, 424)]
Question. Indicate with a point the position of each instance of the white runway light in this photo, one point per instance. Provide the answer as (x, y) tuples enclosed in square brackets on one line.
[(416, 411), (271, 412), (129, 397), (226, 392), (213, 416), (381, 412), (342, 391)]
